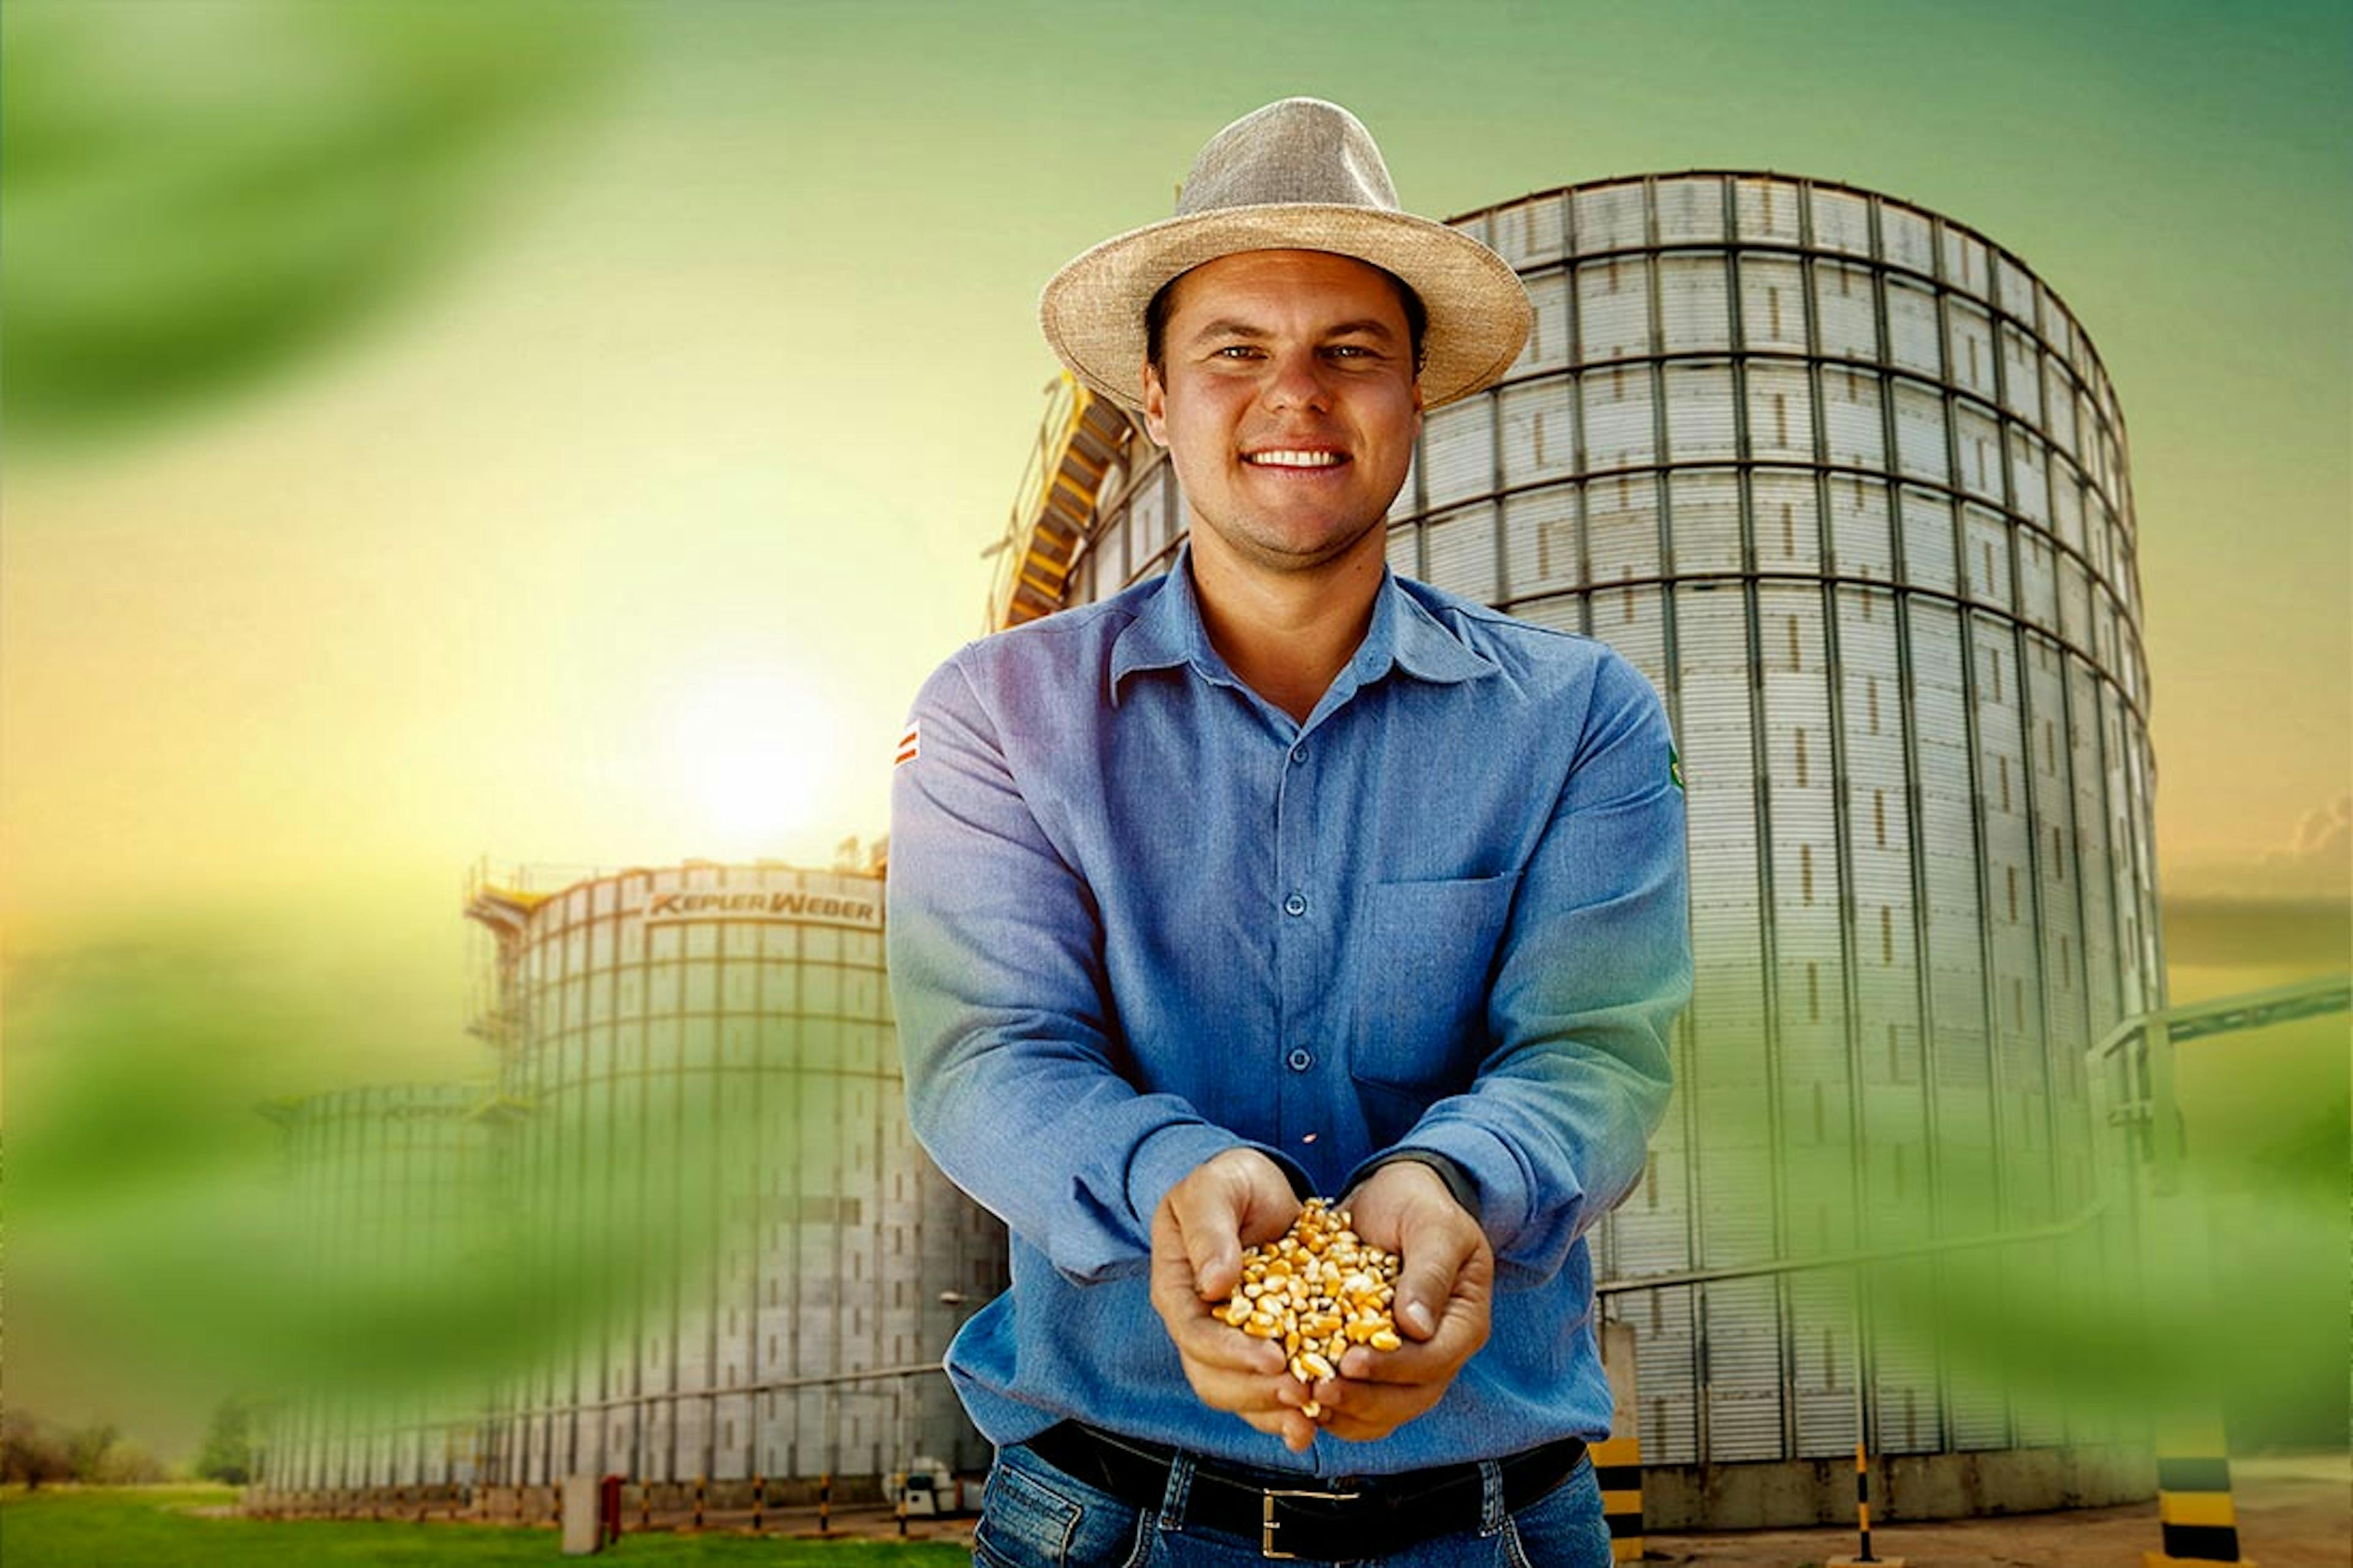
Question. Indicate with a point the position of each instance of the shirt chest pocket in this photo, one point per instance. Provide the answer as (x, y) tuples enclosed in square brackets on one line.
[(1425, 955)]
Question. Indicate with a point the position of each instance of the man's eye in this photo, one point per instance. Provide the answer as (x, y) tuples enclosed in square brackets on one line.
[(1237, 351)]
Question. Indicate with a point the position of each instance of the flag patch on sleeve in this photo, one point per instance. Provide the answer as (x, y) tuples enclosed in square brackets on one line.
[(909, 744)]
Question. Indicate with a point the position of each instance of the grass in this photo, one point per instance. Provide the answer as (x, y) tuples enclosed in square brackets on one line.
[(151, 1527)]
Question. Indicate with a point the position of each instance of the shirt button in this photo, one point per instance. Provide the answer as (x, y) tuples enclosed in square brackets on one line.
[(1295, 905), (1301, 1059), (1298, 754)]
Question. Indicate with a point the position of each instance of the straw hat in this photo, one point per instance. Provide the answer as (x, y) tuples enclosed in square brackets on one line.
[(1301, 174)]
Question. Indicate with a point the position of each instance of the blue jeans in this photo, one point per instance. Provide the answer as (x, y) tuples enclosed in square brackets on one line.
[(1036, 1516)]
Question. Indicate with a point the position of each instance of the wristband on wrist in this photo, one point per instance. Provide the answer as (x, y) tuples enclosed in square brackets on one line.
[(1458, 1181)]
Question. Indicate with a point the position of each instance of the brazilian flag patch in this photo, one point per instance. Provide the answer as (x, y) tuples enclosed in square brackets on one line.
[(1674, 768)]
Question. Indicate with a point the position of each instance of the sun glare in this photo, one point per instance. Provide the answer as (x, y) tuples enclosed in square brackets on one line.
[(751, 752)]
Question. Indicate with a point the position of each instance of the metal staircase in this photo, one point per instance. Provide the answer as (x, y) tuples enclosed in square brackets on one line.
[(1080, 441)]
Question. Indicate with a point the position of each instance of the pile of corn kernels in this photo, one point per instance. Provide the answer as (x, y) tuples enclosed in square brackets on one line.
[(1319, 1290)]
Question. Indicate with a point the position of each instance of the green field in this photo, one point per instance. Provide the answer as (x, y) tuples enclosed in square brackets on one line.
[(151, 1527)]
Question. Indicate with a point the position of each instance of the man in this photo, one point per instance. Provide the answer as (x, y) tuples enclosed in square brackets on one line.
[(1282, 876)]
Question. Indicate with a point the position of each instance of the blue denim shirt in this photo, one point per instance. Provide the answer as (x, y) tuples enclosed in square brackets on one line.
[(1138, 915)]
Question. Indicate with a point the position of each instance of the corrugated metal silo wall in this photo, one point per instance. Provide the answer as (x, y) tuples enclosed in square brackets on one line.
[(711, 1081), (1848, 484)]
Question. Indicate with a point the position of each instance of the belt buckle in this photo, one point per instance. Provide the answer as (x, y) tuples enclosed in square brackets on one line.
[(1269, 1524)]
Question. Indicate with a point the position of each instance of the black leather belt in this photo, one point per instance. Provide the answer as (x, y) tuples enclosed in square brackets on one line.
[(1346, 1516)]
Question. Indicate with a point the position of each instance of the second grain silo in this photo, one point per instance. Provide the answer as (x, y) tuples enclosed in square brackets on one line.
[(710, 1139)]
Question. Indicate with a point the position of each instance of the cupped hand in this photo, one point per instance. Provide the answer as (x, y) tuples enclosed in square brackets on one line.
[(1446, 1278), (1236, 1199)]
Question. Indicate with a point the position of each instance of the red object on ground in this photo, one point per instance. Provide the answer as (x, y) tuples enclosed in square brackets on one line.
[(608, 1511)]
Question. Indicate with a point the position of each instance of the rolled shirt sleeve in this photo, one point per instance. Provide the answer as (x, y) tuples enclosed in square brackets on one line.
[(1006, 1031)]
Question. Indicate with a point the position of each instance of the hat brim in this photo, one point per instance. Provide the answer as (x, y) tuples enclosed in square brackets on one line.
[(1093, 309)]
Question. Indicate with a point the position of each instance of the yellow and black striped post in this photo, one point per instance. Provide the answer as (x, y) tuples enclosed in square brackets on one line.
[(1617, 1465), (2198, 1523), (701, 1483), (759, 1500), (1618, 1459), (1863, 1500), (825, 1504), (1863, 1516)]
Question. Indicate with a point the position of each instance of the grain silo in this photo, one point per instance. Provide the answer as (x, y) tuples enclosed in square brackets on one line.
[(390, 1183), (1848, 483), (710, 1115)]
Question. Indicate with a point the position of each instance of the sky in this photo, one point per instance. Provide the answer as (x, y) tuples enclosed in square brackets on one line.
[(623, 455)]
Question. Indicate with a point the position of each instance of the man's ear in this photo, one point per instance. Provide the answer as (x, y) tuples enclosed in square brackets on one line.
[(1155, 406)]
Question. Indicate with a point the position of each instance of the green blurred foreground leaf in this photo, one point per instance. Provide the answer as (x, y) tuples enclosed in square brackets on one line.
[(158, 1228), (198, 193)]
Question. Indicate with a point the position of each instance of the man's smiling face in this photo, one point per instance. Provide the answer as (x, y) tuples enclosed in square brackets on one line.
[(1287, 398)]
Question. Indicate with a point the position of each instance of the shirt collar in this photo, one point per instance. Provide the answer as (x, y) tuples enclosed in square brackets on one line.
[(1168, 632), (1425, 645)]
